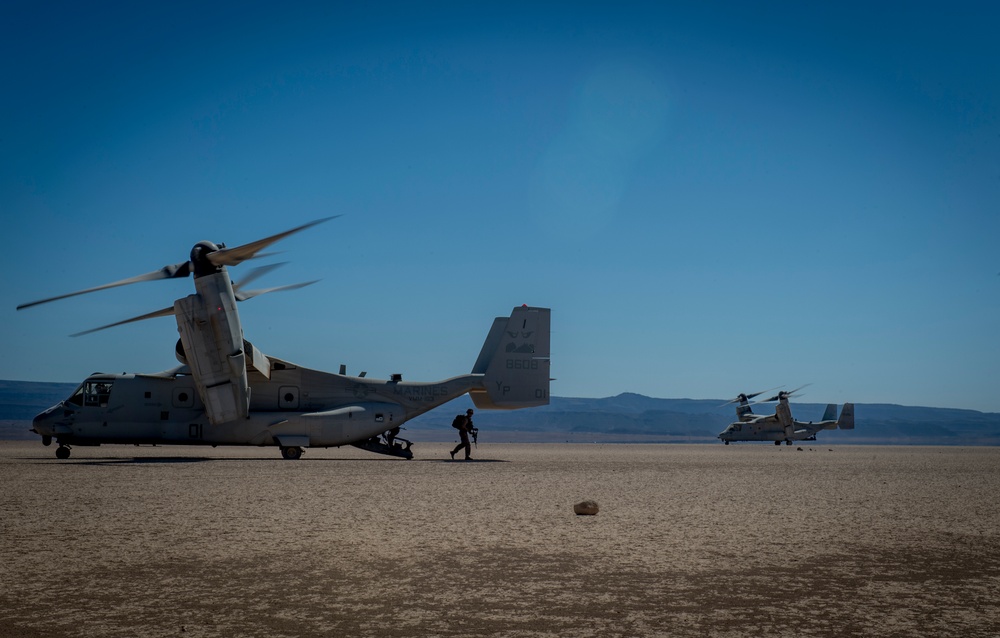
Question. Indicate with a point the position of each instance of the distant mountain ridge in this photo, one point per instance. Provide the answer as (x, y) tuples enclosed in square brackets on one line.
[(627, 417)]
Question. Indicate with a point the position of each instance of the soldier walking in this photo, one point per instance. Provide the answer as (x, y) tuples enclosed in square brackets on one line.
[(463, 423)]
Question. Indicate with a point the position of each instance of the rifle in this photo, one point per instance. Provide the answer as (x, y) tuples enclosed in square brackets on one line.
[(475, 436)]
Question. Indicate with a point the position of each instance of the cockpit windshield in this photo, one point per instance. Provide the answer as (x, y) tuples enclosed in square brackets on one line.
[(92, 394)]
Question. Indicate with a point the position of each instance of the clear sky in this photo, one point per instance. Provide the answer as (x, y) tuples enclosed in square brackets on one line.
[(713, 197)]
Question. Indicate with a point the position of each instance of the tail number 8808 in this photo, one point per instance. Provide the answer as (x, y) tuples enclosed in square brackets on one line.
[(522, 364)]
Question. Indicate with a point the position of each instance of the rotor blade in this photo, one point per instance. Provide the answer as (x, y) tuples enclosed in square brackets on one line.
[(239, 254), (257, 273), (159, 313), (749, 396), (240, 296), (790, 393), (167, 272), (730, 402), (250, 294)]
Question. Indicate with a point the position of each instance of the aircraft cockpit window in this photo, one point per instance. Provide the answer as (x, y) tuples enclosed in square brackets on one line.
[(77, 396), (96, 393)]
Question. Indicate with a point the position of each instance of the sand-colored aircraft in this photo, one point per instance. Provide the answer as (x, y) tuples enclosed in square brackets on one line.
[(780, 426), (227, 392)]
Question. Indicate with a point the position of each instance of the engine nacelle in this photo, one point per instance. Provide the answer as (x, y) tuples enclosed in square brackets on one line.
[(255, 357), (212, 346)]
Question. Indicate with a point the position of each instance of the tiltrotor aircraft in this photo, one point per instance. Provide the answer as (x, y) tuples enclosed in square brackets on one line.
[(228, 392), (780, 426)]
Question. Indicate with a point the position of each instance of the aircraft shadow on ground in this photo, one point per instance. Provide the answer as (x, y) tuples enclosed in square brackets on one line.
[(153, 460), (463, 461), (141, 460)]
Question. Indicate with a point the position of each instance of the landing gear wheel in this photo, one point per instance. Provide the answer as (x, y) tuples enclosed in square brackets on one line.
[(777, 442), (291, 453), (787, 442), (62, 452)]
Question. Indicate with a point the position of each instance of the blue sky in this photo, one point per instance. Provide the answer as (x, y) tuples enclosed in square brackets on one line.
[(712, 197)]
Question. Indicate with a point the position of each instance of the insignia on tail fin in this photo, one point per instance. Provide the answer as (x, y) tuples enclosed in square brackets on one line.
[(515, 361)]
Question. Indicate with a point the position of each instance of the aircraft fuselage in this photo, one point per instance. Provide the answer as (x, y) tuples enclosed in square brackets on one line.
[(296, 406), (768, 429)]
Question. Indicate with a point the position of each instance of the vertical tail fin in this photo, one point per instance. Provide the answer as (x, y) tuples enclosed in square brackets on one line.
[(846, 421), (830, 414), (515, 361)]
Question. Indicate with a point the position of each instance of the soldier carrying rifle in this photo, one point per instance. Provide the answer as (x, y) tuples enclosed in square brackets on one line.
[(463, 423)]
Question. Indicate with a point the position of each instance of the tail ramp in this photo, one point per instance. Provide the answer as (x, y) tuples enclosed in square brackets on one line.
[(846, 421), (515, 362)]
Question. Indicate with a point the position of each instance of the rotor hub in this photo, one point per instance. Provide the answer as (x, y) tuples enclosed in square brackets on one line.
[(199, 258)]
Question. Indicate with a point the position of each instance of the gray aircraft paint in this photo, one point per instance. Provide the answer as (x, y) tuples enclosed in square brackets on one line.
[(781, 426), (296, 406), (227, 392)]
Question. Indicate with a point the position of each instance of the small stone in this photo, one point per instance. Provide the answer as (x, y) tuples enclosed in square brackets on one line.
[(586, 508)]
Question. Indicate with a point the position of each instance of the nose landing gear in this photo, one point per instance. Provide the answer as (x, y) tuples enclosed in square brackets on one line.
[(62, 452)]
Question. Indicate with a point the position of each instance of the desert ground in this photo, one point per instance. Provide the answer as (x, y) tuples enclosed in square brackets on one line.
[(690, 540)]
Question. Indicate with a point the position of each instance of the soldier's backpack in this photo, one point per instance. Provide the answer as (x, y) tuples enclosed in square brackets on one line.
[(458, 422)]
